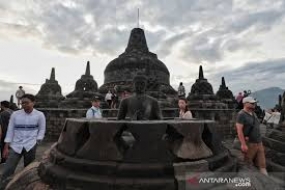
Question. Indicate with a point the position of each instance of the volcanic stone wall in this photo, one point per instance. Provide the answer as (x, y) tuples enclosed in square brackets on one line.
[(56, 119)]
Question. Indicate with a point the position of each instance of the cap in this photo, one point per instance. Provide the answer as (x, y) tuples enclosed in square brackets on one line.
[(248, 99), (95, 98)]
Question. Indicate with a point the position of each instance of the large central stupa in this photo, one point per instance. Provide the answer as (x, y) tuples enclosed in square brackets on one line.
[(138, 59)]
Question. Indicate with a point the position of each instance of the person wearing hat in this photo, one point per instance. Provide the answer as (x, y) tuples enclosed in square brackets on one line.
[(94, 111), (247, 125)]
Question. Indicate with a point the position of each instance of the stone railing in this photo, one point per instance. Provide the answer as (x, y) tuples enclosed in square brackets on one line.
[(56, 119), (102, 154)]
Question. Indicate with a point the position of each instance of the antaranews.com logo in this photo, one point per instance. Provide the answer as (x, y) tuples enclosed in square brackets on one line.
[(198, 179)]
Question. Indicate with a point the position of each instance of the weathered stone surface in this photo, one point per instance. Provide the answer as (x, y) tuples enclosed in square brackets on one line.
[(56, 118), (203, 99), (137, 59), (145, 164), (88, 167), (139, 106), (226, 95), (101, 133), (276, 134), (74, 134), (28, 179), (276, 170), (148, 164), (212, 138), (188, 174), (274, 144), (192, 146), (85, 89), (49, 95), (279, 158), (201, 89), (275, 152), (148, 137)]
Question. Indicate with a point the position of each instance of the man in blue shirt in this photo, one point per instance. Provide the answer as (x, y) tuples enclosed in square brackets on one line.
[(26, 129), (94, 111)]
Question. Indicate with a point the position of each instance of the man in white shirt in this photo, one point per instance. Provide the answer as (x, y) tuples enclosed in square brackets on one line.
[(26, 129), (108, 98), (19, 93), (272, 118), (94, 111), (181, 90)]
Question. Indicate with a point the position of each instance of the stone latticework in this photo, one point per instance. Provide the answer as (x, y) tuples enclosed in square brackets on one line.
[(138, 59), (79, 161), (85, 89), (225, 95), (201, 89), (49, 95), (202, 97)]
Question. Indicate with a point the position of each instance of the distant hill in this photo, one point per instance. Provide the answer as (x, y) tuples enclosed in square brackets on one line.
[(268, 97)]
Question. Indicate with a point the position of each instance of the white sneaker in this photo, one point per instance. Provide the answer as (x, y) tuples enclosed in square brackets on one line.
[(263, 171)]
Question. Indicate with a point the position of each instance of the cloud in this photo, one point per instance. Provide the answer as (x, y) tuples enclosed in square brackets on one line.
[(261, 21), (254, 75), (8, 88), (191, 31), (93, 26)]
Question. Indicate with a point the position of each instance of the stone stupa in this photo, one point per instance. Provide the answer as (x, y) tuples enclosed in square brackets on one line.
[(85, 89), (49, 95), (202, 96), (225, 95), (136, 59)]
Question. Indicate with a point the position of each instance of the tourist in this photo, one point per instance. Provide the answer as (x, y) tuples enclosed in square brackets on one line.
[(239, 97), (246, 93), (115, 88), (248, 130), (115, 100), (94, 112), (25, 131), (4, 121), (272, 118), (108, 98), (126, 94), (19, 93), (184, 112), (139, 106), (181, 90)]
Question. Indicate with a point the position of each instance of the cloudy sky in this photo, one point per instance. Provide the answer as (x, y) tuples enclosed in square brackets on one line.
[(242, 40)]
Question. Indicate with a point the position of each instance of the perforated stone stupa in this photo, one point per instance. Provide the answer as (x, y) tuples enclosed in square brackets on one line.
[(225, 95), (49, 95), (202, 96), (138, 59), (201, 89), (85, 88)]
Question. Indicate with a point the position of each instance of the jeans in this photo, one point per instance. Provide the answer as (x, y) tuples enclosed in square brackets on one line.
[(12, 162), (3, 160)]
